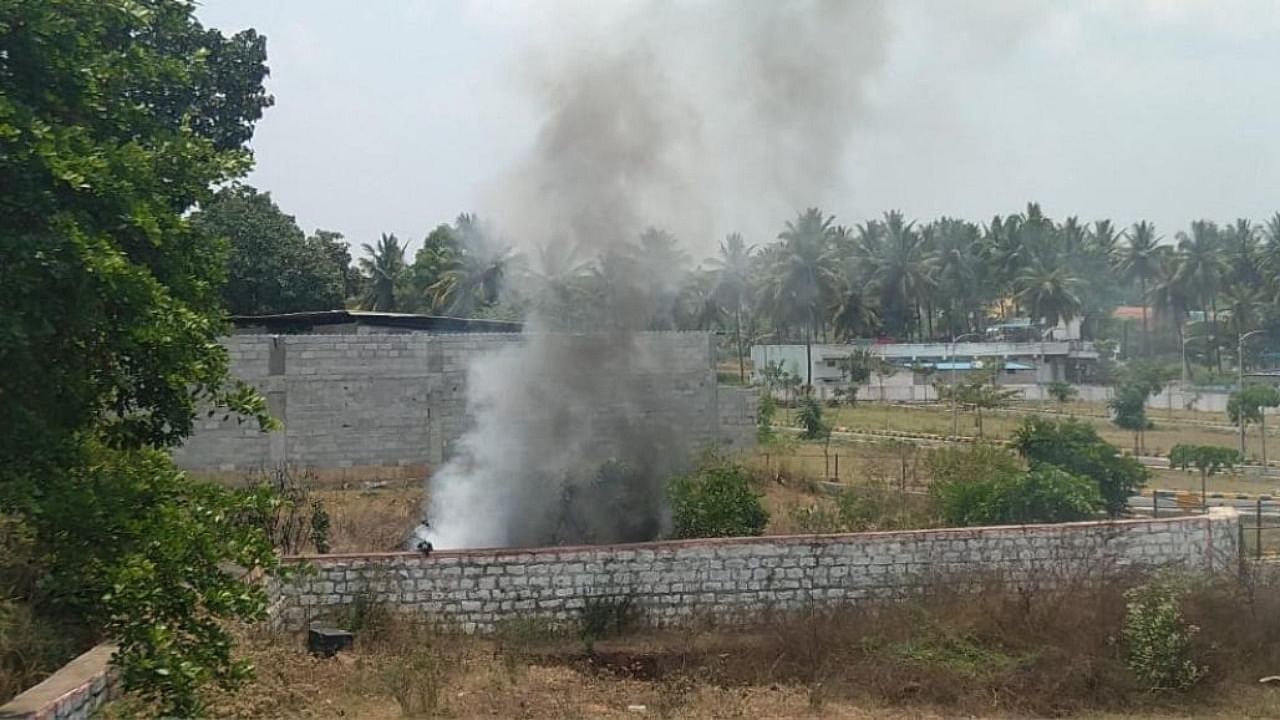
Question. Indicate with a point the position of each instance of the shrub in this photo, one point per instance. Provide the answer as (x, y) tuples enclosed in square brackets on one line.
[(765, 411), (983, 485), (1076, 447), (814, 427), (717, 500), (604, 617), (417, 680), (282, 508), (1157, 637)]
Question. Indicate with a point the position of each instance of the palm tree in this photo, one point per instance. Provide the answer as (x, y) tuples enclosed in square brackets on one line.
[(1170, 296), (1139, 260), (1202, 268), (1241, 252), (474, 280), (954, 261), (902, 271), (804, 275), (733, 269), (1050, 293), (1269, 255), (383, 268), (851, 315)]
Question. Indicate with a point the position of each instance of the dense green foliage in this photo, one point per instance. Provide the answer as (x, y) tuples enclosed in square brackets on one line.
[(1076, 447), (272, 267), (1044, 494), (717, 500), (117, 119)]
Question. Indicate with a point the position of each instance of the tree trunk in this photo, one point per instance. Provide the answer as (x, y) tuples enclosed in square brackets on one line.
[(737, 332), (1262, 423), (1217, 350), (1146, 336)]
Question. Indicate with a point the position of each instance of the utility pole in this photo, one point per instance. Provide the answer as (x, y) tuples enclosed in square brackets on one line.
[(1240, 387)]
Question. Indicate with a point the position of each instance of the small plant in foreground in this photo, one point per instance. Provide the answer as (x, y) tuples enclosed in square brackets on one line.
[(603, 617), (1158, 638)]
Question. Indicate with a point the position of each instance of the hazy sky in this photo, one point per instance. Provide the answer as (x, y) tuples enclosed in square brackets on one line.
[(396, 115)]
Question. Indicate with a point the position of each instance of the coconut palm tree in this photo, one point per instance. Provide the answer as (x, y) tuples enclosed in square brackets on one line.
[(1139, 260), (1201, 268), (852, 316), (803, 273), (1241, 252), (383, 268), (903, 272), (1050, 293), (733, 270)]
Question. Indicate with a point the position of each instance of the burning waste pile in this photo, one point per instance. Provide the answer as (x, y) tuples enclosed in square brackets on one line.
[(647, 119), (560, 453)]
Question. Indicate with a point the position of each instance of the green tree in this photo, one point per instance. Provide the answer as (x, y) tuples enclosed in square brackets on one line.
[(474, 273), (733, 267), (856, 369), (384, 269), (1062, 392), (1139, 260), (1208, 459), (814, 427), (977, 393), (984, 486), (1076, 447), (272, 267), (803, 274), (1050, 293), (1249, 405), (717, 500), (1129, 411), (118, 118)]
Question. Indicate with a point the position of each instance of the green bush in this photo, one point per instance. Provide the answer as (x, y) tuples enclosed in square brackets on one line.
[(984, 486), (810, 417), (717, 500), (1158, 638), (1076, 447)]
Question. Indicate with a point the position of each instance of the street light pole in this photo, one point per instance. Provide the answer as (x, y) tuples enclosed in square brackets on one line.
[(955, 417), (1240, 385)]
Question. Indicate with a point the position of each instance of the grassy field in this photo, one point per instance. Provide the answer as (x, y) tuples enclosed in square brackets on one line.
[(1185, 427)]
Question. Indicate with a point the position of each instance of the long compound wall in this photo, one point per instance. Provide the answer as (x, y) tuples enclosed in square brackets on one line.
[(673, 581), (383, 401)]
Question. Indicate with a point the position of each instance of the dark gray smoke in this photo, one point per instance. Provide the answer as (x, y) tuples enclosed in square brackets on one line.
[(698, 118)]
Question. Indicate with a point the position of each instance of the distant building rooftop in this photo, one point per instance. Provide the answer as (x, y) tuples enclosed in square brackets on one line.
[(360, 321)]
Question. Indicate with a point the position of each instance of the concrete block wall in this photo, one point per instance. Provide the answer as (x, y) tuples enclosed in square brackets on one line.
[(75, 692), (397, 400), (674, 581)]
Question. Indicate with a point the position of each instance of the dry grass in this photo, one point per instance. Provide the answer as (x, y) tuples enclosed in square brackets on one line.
[(985, 652), (372, 520)]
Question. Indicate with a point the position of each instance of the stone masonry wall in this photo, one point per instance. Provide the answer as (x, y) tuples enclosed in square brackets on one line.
[(399, 400), (75, 692), (673, 581)]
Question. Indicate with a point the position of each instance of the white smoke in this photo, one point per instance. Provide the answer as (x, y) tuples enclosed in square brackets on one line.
[(697, 118)]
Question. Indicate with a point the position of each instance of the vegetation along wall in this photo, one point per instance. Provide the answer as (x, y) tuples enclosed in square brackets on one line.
[(673, 582), (378, 401)]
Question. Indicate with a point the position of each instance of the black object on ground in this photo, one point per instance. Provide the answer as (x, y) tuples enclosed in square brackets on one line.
[(328, 641)]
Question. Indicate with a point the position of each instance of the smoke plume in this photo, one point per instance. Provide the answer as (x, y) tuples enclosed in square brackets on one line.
[(696, 118)]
